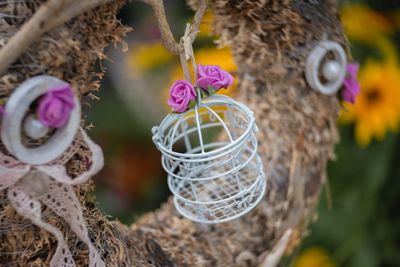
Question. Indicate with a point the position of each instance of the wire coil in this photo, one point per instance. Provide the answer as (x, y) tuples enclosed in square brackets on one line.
[(212, 181)]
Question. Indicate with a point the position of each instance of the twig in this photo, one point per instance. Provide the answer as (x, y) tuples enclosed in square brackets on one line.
[(50, 15), (276, 253), (198, 17), (75, 9), (165, 29)]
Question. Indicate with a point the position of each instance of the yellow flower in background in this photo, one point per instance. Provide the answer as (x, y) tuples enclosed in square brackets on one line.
[(215, 56), (314, 257), (364, 24), (147, 56), (388, 49), (377, 107)]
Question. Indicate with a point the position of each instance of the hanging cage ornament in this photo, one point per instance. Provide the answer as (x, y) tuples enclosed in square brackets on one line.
[(212, 181)]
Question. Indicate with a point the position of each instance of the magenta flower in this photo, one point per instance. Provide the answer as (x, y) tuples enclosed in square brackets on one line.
[(180, 95), (55, 107), (214, 76), (351, 86)]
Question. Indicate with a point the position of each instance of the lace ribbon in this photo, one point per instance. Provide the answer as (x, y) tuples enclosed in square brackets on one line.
[(30, 186)]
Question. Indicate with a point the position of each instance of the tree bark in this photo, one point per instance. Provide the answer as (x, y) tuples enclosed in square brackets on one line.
[(270, 40)]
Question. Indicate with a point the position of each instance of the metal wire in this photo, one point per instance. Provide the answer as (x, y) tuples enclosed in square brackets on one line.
[(212, 181)]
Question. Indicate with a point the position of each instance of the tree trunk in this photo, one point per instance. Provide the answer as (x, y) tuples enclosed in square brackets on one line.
[(270, 40)]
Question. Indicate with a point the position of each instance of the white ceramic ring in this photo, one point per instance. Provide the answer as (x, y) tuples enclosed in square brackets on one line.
[(313, 67), (15, 111)]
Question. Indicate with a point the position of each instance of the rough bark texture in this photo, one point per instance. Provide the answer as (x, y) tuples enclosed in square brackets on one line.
[(270, 41)]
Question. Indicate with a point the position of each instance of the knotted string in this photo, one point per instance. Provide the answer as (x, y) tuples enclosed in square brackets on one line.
[(31, 186), (187, 55)]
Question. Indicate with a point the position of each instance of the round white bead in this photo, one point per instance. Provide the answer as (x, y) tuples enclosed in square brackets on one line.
[(34, 128), (331, 70)]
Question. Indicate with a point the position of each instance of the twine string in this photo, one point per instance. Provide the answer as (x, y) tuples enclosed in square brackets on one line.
[(187, 55)]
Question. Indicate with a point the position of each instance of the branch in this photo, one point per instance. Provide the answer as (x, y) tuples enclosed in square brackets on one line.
[(274, 256), (165, 29), (50, 15)]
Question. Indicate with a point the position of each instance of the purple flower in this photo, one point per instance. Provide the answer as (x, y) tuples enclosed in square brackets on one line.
[(180, 95), (351, 86), (1, 110), (214, 76), (55, 107)]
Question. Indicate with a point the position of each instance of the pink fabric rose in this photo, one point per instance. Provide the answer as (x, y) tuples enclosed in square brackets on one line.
[(55, 107), (180, 95), (351, 86), (214, 76)]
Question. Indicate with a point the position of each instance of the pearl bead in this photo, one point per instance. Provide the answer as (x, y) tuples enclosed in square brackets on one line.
[(34, 128), (331, 70)]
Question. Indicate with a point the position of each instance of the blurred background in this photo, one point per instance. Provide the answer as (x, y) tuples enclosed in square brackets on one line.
[(359, 218)]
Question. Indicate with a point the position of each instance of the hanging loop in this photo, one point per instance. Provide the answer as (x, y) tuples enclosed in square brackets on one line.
[(187, 55)]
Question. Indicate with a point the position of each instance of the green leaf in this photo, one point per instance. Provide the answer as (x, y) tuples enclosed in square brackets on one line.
[(211, 90), (192, 104)]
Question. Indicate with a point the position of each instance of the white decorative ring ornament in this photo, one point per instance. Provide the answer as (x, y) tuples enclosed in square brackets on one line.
[(15, 117), (212, 181), (332, 70)]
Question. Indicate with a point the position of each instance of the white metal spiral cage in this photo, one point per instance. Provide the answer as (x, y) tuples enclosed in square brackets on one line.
[(213, 180)]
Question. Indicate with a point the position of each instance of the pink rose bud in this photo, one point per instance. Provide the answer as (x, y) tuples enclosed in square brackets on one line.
[(55, 107), (351, 86), (180, 95), (214, 76)]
